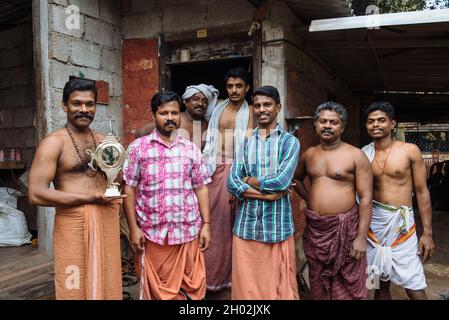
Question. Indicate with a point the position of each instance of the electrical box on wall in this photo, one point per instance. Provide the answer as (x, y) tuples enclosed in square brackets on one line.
[(201, 33)]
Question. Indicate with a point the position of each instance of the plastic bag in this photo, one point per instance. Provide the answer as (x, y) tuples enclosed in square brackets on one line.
[(7, 195), (13, 227)]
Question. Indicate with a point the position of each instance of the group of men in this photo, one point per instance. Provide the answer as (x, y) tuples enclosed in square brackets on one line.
[(215, 212)]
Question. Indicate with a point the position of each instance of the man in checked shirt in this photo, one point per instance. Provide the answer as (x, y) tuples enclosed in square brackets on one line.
[(167, 207), (263, 248)]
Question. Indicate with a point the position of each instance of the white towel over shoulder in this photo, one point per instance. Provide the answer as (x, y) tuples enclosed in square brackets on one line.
[(400, 263)]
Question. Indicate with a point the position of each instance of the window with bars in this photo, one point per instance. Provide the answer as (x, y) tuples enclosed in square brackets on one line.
[(429, 141)]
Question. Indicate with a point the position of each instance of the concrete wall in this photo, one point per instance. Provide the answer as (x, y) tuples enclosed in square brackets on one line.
[(93, 51), (273, 51), (17, 105), (145, 19)]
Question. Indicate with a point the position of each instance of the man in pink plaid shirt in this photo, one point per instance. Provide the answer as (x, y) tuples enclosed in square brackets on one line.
[(167, 207)]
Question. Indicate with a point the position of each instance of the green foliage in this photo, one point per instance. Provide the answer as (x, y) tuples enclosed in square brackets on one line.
[(437, 4), (390, 6)]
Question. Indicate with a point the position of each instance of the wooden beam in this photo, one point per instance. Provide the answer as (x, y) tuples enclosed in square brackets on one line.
[(391, 74), (329, 4)]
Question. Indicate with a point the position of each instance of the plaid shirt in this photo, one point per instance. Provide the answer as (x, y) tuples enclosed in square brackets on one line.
[(166, 204), (273, 162)]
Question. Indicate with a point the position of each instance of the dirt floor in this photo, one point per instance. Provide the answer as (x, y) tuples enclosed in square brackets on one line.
[(36, 280)]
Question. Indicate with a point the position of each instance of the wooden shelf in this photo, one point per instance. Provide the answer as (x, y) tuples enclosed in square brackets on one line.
[(228, 58), (6, 165)]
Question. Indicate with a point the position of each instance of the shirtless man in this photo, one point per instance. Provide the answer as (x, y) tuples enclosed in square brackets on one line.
[(199, 101), (228, 126), (86, 230), (399, 170), (335, 235)]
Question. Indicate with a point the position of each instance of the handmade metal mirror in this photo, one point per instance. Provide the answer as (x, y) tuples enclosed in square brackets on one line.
[(109, 157)]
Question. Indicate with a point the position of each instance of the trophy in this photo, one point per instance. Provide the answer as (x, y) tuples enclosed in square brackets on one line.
[(109, 156)]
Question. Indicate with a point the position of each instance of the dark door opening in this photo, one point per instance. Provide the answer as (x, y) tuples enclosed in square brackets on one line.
[(207, 72), (17, 138)]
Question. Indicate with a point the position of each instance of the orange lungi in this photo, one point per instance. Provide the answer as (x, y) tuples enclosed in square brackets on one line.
[(87, 259), (218, 256), (170, 269), (264, 271)]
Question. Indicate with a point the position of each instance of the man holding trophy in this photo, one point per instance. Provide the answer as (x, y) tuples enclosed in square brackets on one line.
[(86, 231), (167, 207)]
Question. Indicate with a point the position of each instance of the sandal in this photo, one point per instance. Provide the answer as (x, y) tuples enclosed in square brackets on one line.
[(186, 296), (126, 295), (128, 267), (128, 281)]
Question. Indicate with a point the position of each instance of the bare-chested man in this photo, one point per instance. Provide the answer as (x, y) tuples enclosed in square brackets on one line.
[(199, 101), (228, 126), (335, 235), (86, 230), (393, 250)]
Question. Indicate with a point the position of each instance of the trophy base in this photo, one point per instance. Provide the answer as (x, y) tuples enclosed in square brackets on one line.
[(112, 192)]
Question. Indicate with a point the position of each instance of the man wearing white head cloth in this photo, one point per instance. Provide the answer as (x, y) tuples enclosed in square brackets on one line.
[(199, 101), (210, 92)]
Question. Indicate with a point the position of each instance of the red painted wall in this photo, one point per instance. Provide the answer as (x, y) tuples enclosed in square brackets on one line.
[(140, 82)]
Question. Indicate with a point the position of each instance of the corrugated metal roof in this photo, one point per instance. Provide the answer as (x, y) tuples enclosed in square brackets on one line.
[(13, 12), (398, 57)]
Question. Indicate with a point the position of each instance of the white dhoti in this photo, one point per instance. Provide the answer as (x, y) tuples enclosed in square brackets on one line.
[(393, 245)]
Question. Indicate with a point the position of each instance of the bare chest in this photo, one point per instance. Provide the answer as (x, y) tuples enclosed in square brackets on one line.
[(193, 127), (227, 120), (332, 167), (395, 166), (74, 158)]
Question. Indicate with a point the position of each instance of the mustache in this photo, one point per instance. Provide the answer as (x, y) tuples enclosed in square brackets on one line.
[(326, 131), (84, 115), (168, 122)]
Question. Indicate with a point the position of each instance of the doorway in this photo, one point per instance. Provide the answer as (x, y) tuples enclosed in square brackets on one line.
[(211, 72)]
